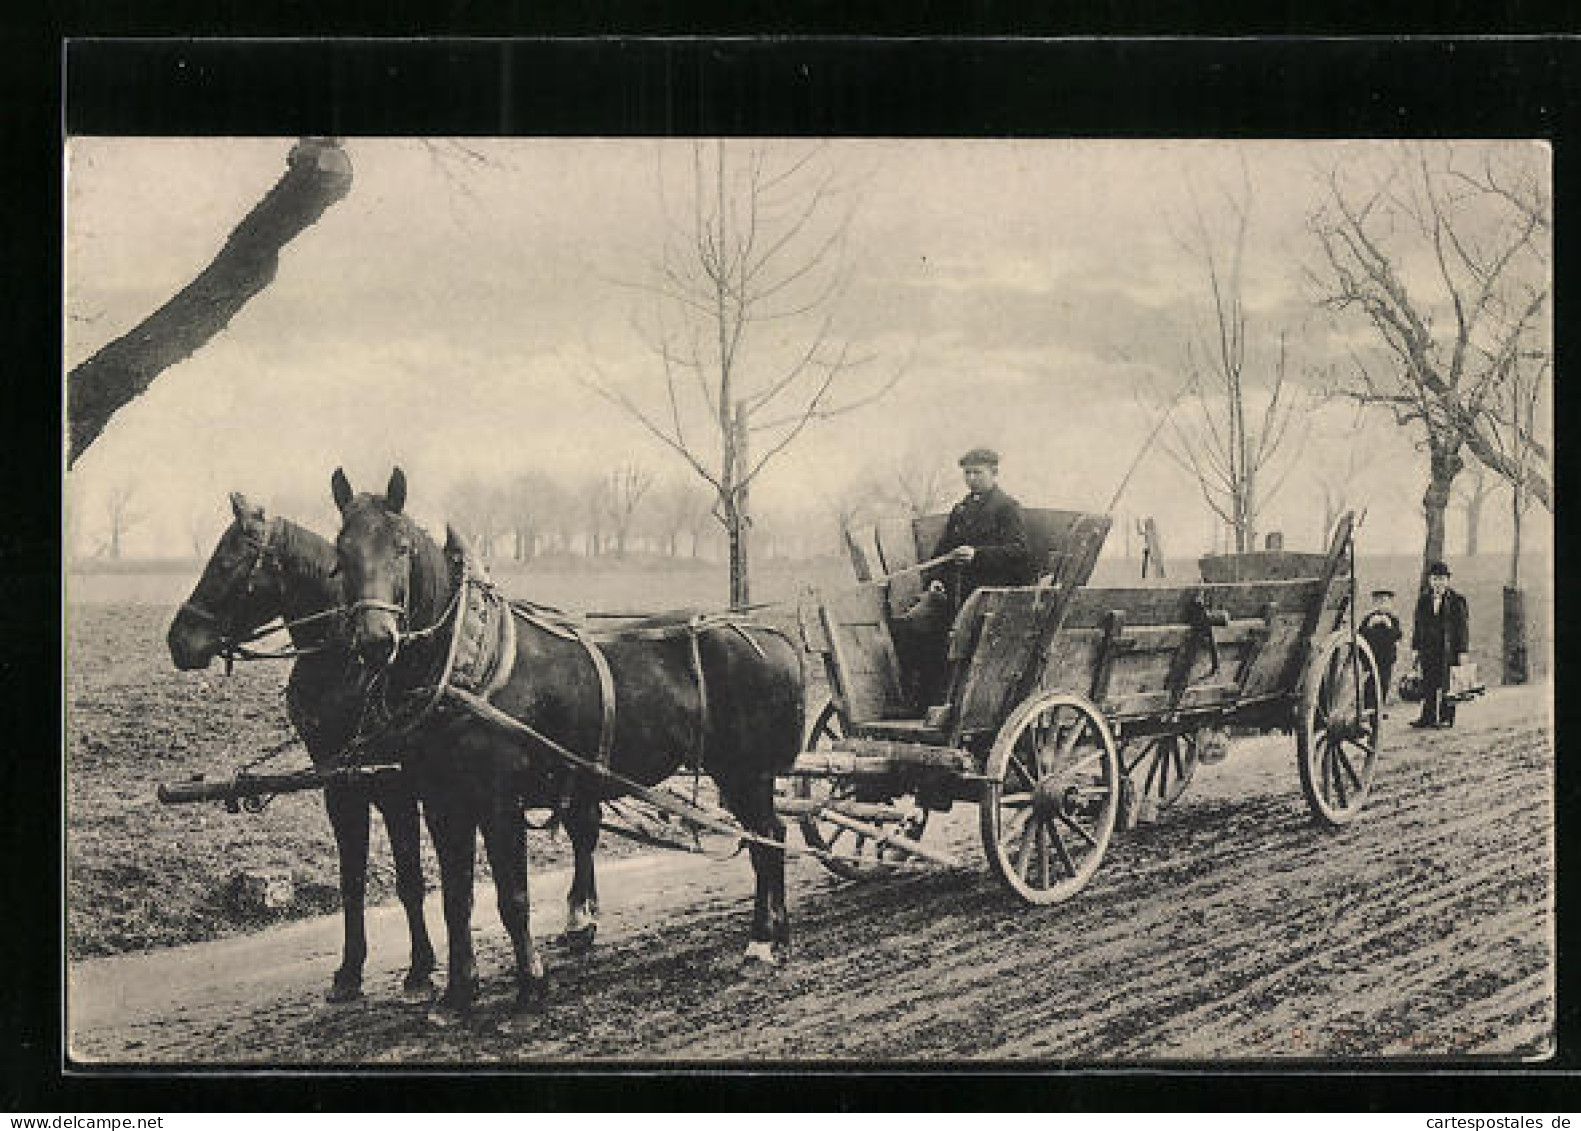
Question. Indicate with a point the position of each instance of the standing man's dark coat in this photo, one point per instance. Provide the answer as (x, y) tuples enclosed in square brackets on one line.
[(992, 523), (1439, 637)]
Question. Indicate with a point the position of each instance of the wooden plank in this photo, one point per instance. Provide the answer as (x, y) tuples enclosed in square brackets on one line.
[(1257, 643), (809, 619), (831, 764), (1165, 605), (1004, 651), (900, 843), (866, 811), (1070, 559), (897, 545), (864, 655), (1108, 649), (1262, 565), (927, 530), (859, 563), (903, 755)]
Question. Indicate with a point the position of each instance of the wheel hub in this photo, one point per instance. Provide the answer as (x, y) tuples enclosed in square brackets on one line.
[(1346, 727), (1049, 799)]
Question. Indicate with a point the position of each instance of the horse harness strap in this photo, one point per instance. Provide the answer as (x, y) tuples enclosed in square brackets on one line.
[(606, 696)]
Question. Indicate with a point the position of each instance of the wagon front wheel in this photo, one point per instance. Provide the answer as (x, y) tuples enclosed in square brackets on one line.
[(1051, 797), (1338, 733), (853, 855)]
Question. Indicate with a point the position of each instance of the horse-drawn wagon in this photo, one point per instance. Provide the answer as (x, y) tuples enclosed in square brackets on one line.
[(1068, 702), (1065, 703)]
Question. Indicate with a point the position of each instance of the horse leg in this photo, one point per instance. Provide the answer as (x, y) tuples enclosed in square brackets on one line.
[(582, 819), (752, 802), (505, 840), (347, 805), (453, 827), (402, 821)]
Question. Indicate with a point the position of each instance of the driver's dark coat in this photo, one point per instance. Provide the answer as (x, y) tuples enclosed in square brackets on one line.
[(991, 523)]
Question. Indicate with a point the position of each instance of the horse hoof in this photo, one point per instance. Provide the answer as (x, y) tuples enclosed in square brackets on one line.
[(533, 999), (580, 941), (760, 956), (447, 1016), (342, 992), (418, 988)]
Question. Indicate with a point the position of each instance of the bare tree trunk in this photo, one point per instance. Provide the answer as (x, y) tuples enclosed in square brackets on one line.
[(1473, 499), (1444, 466), (1517, 512), (318, 174), (738, 516)]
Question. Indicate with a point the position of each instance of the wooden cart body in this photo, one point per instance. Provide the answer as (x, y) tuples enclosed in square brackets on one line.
[(1158, 660), (1151, 656)]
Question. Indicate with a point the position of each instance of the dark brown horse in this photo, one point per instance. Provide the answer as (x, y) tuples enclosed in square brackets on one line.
[(265, 569), (742, 719)]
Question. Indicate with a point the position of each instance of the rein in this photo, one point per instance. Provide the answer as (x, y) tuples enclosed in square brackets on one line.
[(233, 648)]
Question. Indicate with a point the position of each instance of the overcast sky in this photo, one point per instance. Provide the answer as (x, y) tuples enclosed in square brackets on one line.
[(441, 315)]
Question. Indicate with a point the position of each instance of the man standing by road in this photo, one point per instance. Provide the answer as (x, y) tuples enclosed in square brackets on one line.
[(1440, 636), (1380, 628)]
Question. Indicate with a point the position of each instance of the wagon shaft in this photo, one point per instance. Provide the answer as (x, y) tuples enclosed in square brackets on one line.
[(241, 787)]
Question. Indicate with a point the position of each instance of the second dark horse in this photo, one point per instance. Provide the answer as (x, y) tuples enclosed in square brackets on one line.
[(264, 569), (735, 701)]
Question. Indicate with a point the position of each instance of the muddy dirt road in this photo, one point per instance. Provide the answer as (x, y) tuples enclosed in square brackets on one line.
[(1232, 928)]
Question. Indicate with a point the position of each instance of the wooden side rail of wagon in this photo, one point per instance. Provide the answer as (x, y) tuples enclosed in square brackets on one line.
[(1067, 702)]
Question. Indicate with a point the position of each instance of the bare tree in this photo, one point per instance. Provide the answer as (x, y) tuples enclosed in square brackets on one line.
[(628, 484), (1345, 460), (121, 515), (532, 503), (1450, 276), (916, 481), (1218, 431), (1472, 493), (593, 506), (1521, 419), (478, 510), (318, 173), (745, 294), (679, 506)]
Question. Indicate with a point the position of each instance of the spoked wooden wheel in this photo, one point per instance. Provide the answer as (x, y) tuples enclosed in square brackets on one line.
[(1338, 733), (1050, 802), (863, 856), (1170, 762)]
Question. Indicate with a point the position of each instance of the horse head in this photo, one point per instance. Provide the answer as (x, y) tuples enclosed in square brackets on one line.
[(237, 592), (388, 569)]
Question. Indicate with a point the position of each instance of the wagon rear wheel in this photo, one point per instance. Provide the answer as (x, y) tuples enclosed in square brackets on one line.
[(1161, 767), (1338, 733), (862, 857), (1049, 805)]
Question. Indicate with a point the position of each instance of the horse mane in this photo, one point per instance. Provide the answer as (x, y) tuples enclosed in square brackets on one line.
[(432, 579), (305, 553)]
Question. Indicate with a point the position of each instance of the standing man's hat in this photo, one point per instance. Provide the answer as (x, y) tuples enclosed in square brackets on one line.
[(1383, 592), (1438, 569), (980, 457)]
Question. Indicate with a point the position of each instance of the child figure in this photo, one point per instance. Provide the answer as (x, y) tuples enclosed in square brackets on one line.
[(1380, 628)]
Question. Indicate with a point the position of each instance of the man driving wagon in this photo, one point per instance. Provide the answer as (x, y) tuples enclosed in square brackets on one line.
[(985, 543)]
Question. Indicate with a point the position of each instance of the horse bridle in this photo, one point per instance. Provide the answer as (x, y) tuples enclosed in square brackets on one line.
[(233, 646)]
